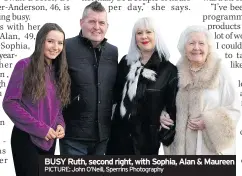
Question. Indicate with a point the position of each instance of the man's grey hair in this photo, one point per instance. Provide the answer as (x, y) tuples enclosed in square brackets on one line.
[(185, 35), (94, 6), (134, 53)]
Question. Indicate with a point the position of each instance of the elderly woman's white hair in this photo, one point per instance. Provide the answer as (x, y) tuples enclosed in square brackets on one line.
[(184, 37), (134, 53)]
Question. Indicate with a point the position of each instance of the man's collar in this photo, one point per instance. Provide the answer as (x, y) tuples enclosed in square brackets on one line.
[(87, 41)]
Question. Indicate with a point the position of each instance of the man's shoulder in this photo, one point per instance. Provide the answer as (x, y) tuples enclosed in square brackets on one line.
[(72, 39), (110, 46), (111, 50)]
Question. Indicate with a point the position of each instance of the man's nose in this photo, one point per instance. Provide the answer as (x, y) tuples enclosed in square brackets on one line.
[(96, 25)]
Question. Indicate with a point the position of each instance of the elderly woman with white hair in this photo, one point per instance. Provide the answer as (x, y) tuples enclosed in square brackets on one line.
[(146, 84), (207, 105)]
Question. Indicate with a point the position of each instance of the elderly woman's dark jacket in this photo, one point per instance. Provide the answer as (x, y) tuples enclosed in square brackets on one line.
[(136, 121)]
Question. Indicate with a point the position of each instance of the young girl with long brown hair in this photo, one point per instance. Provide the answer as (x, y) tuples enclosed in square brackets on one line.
[(38, 89)]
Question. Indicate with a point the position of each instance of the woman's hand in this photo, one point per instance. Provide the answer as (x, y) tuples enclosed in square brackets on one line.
[(165, 120), (196, 124), (52, 134), (60, 132)]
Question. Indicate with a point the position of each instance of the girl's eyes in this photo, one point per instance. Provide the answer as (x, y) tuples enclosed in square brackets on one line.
[(51, 41)]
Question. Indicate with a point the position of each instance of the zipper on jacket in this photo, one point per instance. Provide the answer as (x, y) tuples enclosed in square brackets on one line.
[(95, 55), (76, 97), (97, 86)]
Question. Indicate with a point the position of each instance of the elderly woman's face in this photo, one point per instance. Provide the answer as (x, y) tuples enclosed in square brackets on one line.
[(145, 39), (196, 48)]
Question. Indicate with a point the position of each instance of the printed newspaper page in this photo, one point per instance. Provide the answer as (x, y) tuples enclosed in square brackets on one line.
[(20, 21)]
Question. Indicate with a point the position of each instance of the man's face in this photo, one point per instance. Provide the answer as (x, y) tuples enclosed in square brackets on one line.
[(94, 26)]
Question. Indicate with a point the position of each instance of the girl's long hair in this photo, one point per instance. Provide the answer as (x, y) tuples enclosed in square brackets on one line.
[(34, 76)]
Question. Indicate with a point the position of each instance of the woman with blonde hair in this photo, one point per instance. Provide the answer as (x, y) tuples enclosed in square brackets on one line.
[(146, 84)]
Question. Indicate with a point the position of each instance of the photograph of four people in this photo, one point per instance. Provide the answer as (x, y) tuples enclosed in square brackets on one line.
[(75, 90)]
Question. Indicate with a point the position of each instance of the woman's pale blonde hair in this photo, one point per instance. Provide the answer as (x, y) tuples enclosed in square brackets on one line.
[(134, 52)]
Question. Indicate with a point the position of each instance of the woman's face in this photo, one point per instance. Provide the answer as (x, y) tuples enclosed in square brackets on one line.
[(145, 39), (196, 48), (53, 44)]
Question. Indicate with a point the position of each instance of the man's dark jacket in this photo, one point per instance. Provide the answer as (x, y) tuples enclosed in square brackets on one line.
[(93, 75)]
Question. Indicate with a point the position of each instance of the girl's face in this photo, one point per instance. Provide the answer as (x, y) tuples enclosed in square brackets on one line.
[(53, 45)]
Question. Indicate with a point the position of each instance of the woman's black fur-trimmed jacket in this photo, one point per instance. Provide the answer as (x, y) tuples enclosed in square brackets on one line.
[(141, 93)]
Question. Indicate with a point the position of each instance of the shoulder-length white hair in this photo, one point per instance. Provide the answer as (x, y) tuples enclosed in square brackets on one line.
[(185, 35), (134, 53)]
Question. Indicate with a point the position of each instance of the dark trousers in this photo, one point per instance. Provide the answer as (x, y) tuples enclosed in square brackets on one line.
[(78, 147), (25, 153), (126, 145)]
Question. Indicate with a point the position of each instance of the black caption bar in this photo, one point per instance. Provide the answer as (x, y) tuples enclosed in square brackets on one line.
[(222, 165)]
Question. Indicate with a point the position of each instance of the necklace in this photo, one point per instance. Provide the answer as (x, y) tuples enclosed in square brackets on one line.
[(196, 69)]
